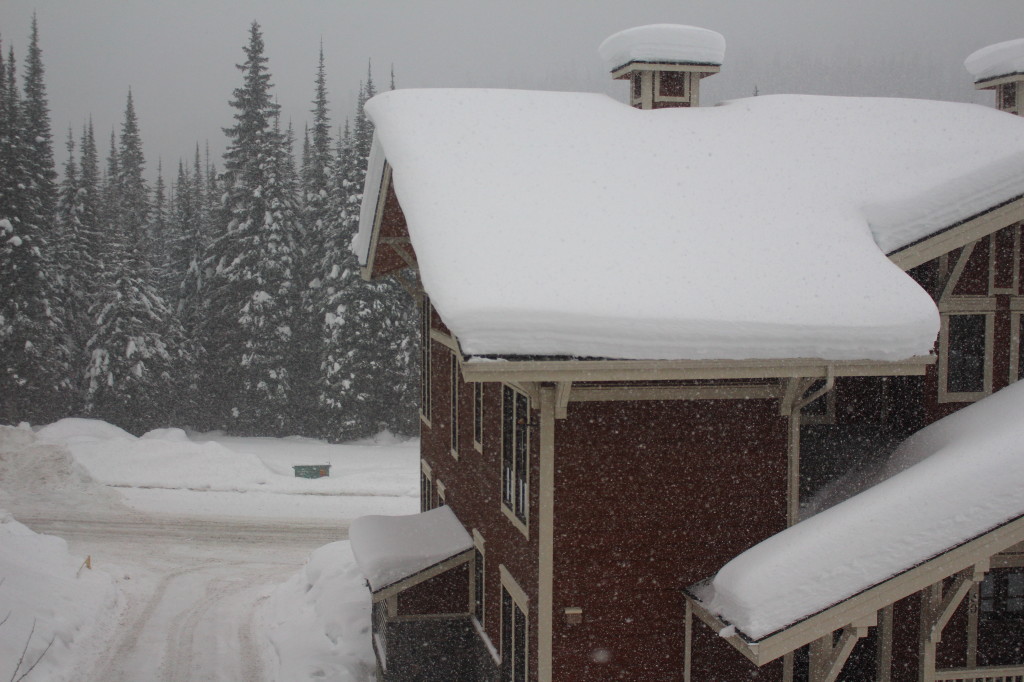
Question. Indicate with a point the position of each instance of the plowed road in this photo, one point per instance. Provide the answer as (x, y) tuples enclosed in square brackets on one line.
[(192, 588)]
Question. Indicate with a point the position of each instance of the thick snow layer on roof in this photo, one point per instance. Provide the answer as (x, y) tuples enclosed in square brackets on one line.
[(663, 43), (392, 548), (952, 481), (566, 224), (1001, 59)]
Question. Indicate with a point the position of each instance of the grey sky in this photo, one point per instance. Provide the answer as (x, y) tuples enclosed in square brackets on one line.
[(178, 57)]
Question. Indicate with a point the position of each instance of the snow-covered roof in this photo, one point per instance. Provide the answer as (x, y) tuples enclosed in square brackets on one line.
[(392, 548), (1001, 59), (671, 43), (567, 224), (949, 483)]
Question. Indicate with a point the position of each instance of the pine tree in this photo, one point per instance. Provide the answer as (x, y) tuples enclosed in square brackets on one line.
[(159, 237), (253, 289), (34, 353), (137, 344)]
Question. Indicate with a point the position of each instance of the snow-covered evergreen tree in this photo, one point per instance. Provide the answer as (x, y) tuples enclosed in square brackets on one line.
[(136, 343), (253, 291), (34, 354)]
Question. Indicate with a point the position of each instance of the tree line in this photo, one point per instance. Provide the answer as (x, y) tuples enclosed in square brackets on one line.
[(225, 299)]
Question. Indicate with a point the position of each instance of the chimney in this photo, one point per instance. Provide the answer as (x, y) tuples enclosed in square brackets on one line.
[(664, 63), (1000, 67)]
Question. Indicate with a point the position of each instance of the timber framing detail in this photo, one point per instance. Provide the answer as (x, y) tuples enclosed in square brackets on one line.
[(972, 557)]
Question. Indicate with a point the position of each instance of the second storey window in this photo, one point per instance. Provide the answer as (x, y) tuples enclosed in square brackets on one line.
[(515, 450), (425, 358), (455, 406), (478, 416), (426, 487)]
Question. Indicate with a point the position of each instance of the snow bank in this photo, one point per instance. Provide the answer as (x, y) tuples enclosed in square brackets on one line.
[(173, 459), (1001, 59), (663, 43), (318, 622), (947, 484), (391, 548), (539, 233), (46, 596)]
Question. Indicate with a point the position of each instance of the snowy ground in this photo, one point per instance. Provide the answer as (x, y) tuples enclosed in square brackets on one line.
[(210, 560)]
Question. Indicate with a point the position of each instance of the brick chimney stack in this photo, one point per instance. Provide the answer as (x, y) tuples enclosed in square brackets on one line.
[(1000, 67), (664, 63)]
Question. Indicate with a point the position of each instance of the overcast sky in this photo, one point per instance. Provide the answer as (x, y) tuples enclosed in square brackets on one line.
[(178, 56)]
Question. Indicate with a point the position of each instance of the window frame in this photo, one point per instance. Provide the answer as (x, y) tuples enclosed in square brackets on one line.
[(516, 651), (478, 416), (426, 346), (478, 586), (426, 486), (442, 494), (984, 306), (515, 457), (454, 387)]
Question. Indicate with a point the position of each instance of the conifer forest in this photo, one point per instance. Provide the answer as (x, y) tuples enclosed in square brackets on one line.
[(223, 296)]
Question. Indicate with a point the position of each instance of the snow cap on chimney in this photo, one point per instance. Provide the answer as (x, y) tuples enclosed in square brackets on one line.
[(1000, 67), (663, 62), (663, 44)]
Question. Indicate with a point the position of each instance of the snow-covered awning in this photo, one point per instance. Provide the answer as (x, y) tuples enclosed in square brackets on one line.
[(390, 549), (551, 224), (950, 496)]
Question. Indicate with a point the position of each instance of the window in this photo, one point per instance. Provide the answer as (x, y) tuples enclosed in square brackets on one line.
[(1002, 594), (454, 397), (478, 577), (1007, 94), (426, 487), (965, 361), (515, 424), (513, 630), (425, 359), (478, 416), (441, 494)]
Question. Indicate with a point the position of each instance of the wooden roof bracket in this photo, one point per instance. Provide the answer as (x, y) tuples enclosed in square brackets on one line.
[(794, 397), (828, 656)]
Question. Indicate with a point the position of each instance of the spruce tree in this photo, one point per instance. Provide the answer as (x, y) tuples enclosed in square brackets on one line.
[(136, 346), (34, 352), (253, 290)]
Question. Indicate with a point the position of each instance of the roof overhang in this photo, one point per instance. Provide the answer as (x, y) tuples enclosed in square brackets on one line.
[(705, 69), (991, 83), (960, 234), (561, 370), (861, 608)]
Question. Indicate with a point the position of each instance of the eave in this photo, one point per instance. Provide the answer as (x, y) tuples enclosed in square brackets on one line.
[(993, 82), (960, 234), (860, 609), (515, 370)]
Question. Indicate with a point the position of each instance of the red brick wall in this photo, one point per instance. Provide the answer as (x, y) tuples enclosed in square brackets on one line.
[(473, 488), (652, 497)]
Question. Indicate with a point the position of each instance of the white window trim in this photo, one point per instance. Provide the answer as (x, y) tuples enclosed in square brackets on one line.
[(453, 400), (442, 493), (510, 514), (426, 369), (478, 544), (426, 471), (964, 305), (478, 413), (519, 598)]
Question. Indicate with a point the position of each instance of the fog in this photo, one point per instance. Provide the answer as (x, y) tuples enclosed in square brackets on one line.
[(179, 58)]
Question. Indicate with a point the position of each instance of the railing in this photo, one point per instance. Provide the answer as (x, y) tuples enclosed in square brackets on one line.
[(1010, 673)]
